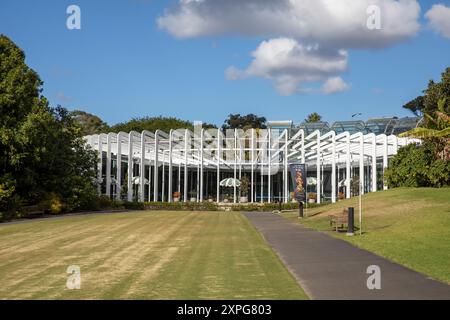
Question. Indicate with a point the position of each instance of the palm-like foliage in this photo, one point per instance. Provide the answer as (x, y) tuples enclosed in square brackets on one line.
[(438, 125)]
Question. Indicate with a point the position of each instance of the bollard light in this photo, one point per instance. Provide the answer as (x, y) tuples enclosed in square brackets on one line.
[(351, 218), (300, 209)]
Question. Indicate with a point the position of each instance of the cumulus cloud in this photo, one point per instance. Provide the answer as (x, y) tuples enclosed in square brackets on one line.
[(439, 19), (291, 65), (335, 84), (339, 22), (309, 39)]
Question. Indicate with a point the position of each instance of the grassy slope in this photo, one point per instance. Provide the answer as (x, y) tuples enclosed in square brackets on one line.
[(408, 226), (161, 255)]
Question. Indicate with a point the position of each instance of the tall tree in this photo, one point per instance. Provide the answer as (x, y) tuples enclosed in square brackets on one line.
[(41, 149), (435, 92), (416, 106), (236, 121), (89, 123), (313, 117), (428, 103)]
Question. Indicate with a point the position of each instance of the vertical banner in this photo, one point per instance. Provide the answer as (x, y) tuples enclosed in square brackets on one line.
[(298, 174)]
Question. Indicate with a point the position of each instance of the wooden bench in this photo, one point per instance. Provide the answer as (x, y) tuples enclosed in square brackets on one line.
[(339, 220), (32, 211)]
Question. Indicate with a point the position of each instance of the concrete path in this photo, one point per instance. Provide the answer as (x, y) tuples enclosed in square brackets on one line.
[(330, 268)]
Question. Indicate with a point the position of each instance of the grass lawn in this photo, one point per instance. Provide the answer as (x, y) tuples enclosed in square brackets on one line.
[(408, 226), (148, 255)]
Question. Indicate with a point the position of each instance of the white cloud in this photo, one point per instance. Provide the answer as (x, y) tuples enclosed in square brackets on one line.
[(342, 23), (335, 84), (309, 39), (291, 65), (439, 17)]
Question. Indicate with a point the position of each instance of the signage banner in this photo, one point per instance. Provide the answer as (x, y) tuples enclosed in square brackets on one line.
[(298, 174)]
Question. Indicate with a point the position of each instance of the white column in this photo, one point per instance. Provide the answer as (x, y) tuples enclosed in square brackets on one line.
[(179, 174), (240, 158), (198, 176), (385, 158), (285, 178), (374, 163), (269, 161), (186, 176), (149, 178), (333, 168), (235, 164), (130, 167), (252, 173), (303, 147), (163, 175), (100, 164), (156, 165), (108, 165), (318, 162), (262, 182), (170, 190), (141, 169), (347, 168), (395, 144), (361, 163), (202, 137), (218, 165), (119, 167)]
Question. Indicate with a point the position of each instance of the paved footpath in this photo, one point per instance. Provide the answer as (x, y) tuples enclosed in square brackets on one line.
[(330, 268)]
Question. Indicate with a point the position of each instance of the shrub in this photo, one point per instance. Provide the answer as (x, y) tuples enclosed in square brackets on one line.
[(133, 205), (416, 166), (181, 206), (52, 203), (9, 201), (268, 207)]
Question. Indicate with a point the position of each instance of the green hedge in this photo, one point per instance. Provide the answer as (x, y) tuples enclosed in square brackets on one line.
[(181, 206), (268, 207)]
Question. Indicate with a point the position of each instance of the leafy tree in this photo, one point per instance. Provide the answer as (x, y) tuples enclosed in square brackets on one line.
[(236, 121), (428, 103), (41, 148), (313, 117), (436, 131), (438, 124), (89, 123), (436, 92), (416, 166), (152, 124), (416, 106)]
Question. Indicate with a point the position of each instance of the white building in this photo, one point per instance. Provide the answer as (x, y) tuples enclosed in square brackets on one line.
[(193, 163)]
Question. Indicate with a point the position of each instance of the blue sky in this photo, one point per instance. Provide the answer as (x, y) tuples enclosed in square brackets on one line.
[(121, 65)]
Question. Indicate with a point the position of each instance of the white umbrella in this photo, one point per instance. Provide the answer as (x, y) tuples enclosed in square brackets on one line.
[(230, 182), (137, 180)]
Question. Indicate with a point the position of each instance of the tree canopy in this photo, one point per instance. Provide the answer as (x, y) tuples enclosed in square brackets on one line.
[(428, 103), (427, 164), (89, 123), (416, 106), (42, 151), (313, 117), (236, 121), (152, 124)]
